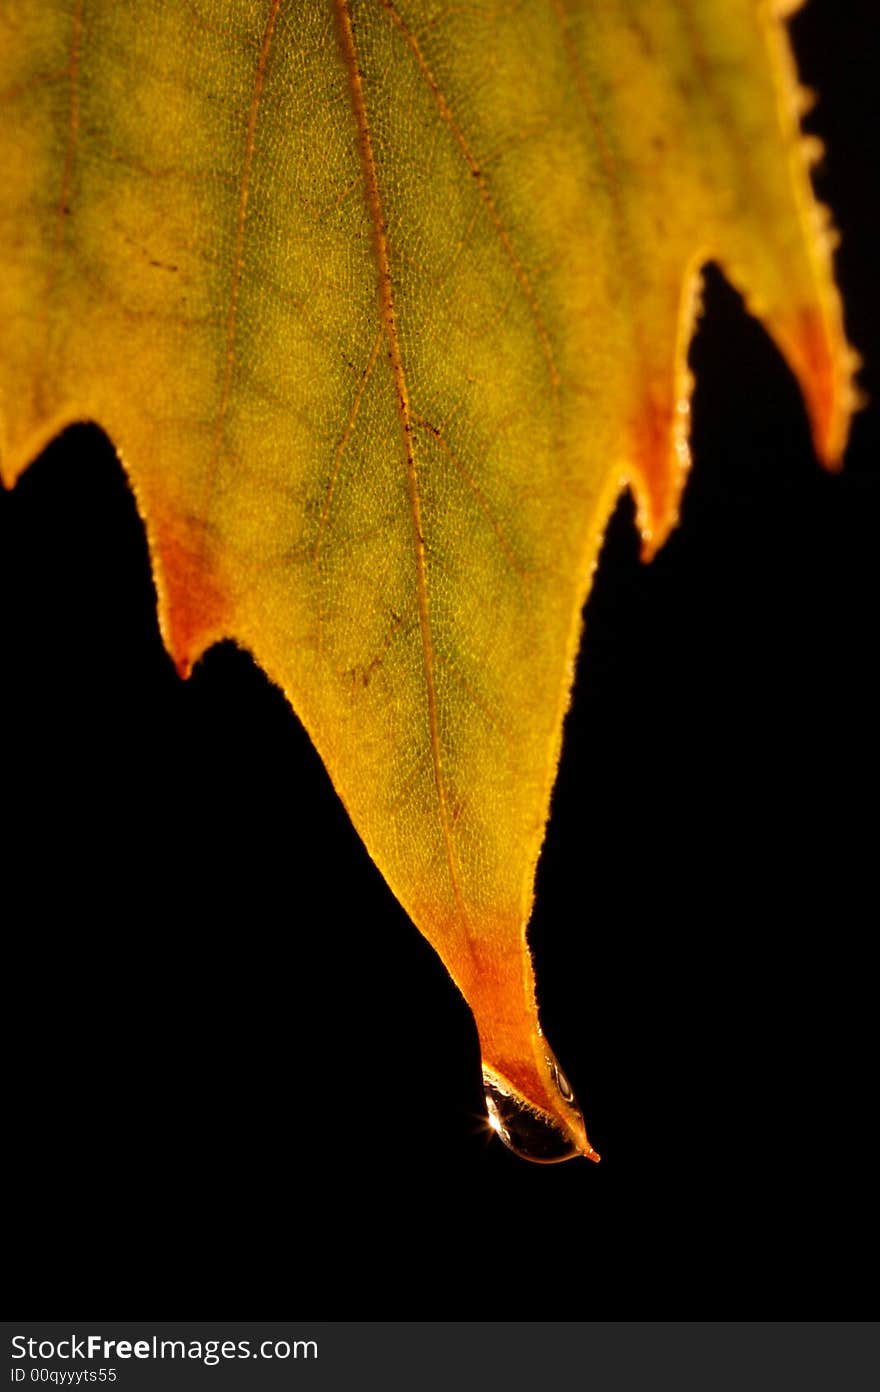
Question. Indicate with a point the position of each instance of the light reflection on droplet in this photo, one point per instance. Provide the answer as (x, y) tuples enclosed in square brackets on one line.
[(563, 1086)]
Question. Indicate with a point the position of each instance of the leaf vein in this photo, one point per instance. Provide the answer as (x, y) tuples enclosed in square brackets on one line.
[(479, 178), (386, 295), (238, 254), (342, 444), (63, 208), (478, 494)]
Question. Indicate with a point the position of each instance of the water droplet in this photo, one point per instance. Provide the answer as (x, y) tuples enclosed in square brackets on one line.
[(563, 1086), (529, 1131)]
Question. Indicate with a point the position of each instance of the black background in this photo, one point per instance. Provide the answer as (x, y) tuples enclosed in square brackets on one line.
[(241, 1082)]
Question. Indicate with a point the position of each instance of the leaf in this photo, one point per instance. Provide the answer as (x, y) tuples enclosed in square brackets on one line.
[(389, 302)]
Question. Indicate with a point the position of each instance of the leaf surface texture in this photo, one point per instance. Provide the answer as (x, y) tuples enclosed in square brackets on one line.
[(383, 303)]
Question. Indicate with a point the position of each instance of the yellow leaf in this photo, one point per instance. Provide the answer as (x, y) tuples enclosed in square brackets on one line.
[(382, 304)]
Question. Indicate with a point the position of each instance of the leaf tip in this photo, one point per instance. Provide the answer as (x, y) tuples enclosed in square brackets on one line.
[(662, 459), (541, 1122), (825, 367), (660, 454), (193, 607)]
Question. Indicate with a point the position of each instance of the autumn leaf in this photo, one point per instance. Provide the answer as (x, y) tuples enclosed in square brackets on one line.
[(382, 305)]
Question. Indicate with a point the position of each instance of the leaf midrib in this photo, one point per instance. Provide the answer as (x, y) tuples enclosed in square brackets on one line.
[(405, 417)]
